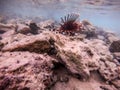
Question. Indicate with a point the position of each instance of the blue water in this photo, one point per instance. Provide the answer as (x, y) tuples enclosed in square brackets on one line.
[(102, 13)]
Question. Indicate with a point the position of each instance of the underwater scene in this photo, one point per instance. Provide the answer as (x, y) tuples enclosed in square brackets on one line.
[(59, 44), (103, 13)]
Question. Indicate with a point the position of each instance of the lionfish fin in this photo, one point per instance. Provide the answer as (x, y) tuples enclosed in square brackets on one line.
[(70, 18)]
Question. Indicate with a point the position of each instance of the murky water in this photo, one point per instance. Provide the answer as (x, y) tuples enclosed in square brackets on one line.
[(103, 13)]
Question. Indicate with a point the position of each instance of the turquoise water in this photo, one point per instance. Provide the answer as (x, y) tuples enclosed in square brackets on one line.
[(102, 13)]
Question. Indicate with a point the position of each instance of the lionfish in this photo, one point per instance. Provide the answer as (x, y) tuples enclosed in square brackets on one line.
[(69, 24)]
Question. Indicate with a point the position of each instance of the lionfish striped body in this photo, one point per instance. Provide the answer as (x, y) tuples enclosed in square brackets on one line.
[(69, 25)]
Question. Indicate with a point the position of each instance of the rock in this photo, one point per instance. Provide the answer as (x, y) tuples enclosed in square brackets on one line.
[(109, 70), (52, 61), (39, 43), (79, 57), (8, 34), (27, 27), (2, 31), (0, 38), (115, 46), (72, 58), (108, 87), (117, 56), (116, 83), (32, 71), (86, 22), (47, 24), (1, 45), (91, 34), (4, 83), (82, 57), (6, 27), (34, 28), (106, 36), (8, 37), (21, 28), (111, 37), (80, 37), (101, 37), (89, 29)]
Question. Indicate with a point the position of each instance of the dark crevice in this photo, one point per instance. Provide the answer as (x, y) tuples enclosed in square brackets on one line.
[(2, 31), (57, 65)]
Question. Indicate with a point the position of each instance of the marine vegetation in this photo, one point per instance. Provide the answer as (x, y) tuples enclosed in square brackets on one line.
[(69, 24)]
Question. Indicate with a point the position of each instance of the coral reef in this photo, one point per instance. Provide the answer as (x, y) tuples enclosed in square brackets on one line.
[(52, 61)]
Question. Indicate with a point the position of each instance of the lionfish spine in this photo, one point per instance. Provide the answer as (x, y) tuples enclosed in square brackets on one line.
[(70, 18), (69, 24)]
